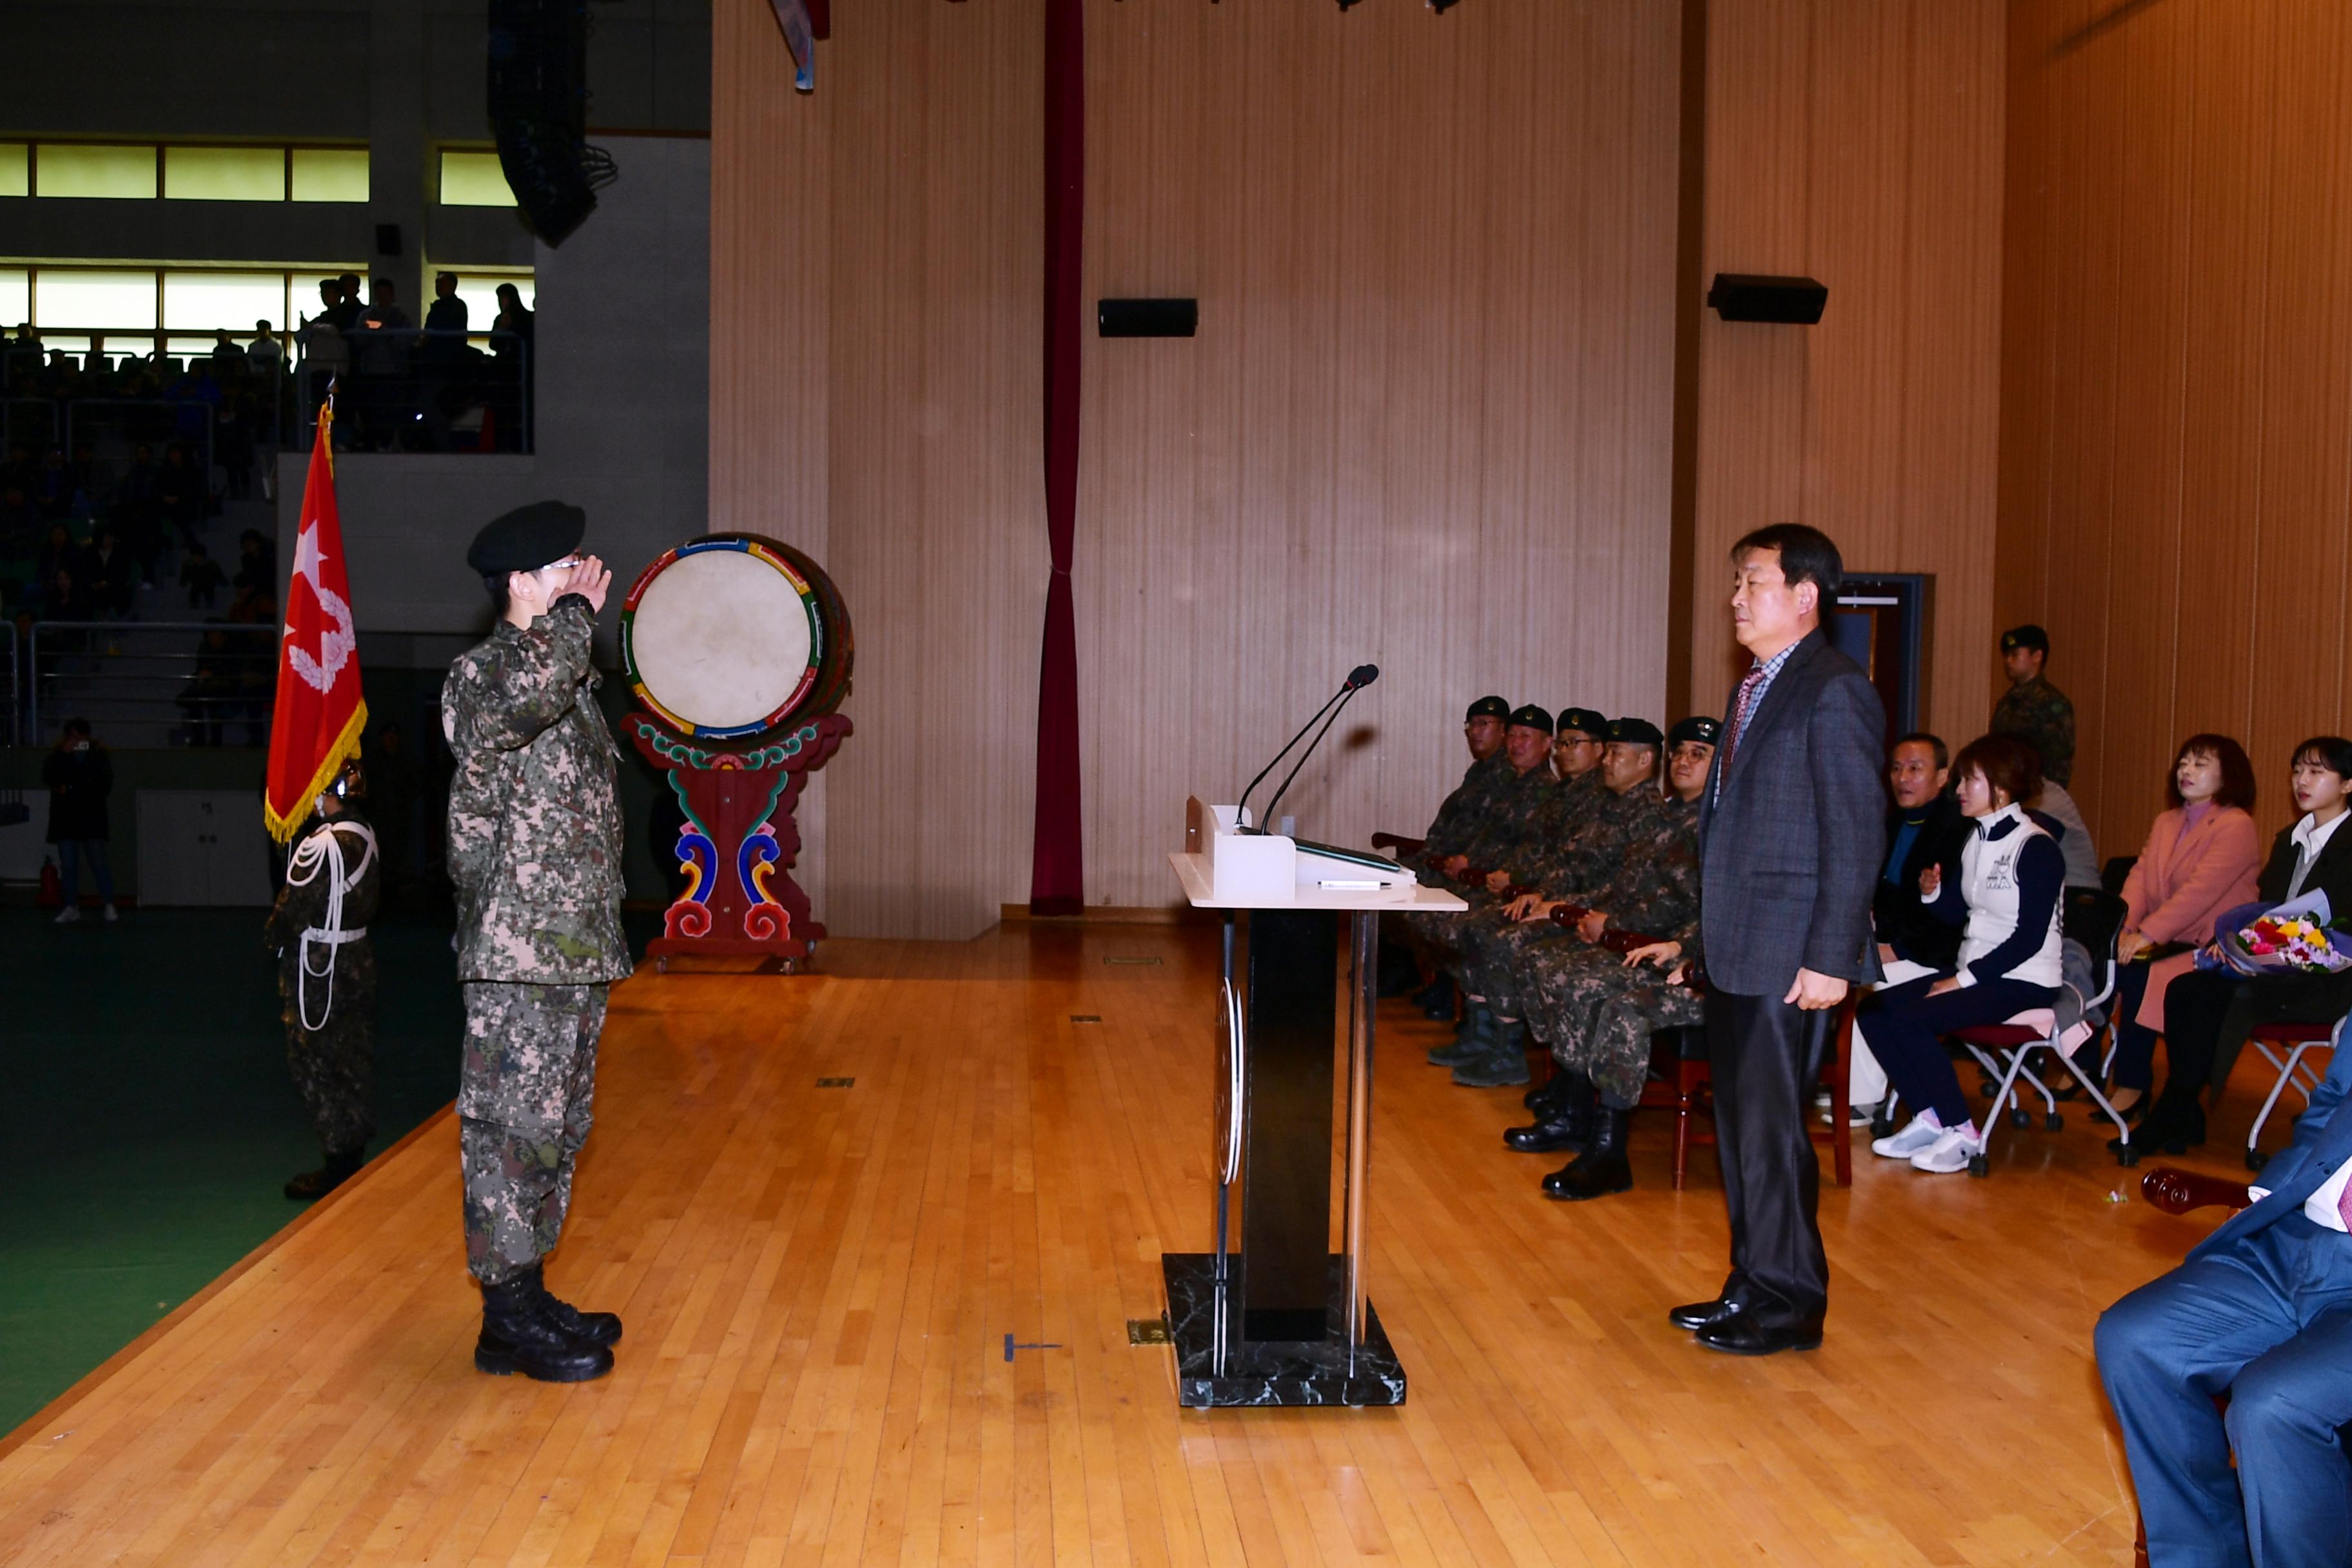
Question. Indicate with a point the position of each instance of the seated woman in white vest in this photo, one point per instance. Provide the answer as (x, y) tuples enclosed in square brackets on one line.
[(2007, 898)]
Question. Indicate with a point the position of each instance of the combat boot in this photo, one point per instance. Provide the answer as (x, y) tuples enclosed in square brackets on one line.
[(580, 1328), (1435, 999), (1565, 1122), (1503, 1064), (1601, 1169), (340, 1167), (519, 1336), (1474, 1040)]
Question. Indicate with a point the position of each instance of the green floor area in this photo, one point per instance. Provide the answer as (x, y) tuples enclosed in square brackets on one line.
[(146, 1121)]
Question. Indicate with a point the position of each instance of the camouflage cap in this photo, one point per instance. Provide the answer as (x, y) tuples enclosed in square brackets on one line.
[(1697, 727), (527, 538), (1633, 733), (1583, 719), (1487, 708), (1533, 717), (2026, 635)]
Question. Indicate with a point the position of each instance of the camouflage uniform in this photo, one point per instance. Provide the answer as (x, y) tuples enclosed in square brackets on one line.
[(333, 1065), (1498, 953), (534, 850), (2038, 714), (1508, 812), (1594, 1012)]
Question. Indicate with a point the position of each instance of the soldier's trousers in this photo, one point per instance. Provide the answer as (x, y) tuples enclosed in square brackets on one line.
[(1597, 1014), (525, 1102), (333, 1066), (1497, 952), (1439, 931)]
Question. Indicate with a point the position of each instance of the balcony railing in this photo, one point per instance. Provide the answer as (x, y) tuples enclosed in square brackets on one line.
[(411, 391), (147, 683)]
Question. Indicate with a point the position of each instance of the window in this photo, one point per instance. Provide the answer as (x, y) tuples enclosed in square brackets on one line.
[(142, 170), (89, 169), (224, 173), (331, 173), (473, 180), (96, 300), (15, 297), (480, 292)]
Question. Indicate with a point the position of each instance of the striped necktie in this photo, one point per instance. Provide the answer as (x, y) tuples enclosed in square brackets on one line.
[(1739, 714)]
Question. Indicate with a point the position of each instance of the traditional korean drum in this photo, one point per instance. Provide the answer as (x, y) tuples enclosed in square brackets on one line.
[(731, 636)]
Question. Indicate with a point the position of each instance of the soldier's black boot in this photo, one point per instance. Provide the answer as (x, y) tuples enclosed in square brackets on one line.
[(1504, 1063), (519, 1336), (1435, 999), (1473, 1039), (584, 1328), (340, 1167), (1566, 1122), (1602, 1168), (1546, 1098)]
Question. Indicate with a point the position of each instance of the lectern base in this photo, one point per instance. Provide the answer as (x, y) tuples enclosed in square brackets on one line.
[(1283, 1372)]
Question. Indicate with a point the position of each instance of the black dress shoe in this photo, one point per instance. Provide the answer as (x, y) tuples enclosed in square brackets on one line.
[(1744, 1335), (1697, 1315), (519, 1337), (580, 1328), (2173, 1129)]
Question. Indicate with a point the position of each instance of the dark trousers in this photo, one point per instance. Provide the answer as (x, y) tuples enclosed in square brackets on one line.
[(2134, 1043), (1907, 1036), (1765, 1056)]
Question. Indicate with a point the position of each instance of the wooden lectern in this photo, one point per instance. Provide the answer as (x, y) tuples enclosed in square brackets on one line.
[(1274, 1316)]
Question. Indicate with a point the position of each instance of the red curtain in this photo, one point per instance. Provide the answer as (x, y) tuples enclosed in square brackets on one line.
[(1057, 867)]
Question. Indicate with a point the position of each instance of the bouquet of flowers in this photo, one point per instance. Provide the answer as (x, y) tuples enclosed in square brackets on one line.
[(2298, 937)]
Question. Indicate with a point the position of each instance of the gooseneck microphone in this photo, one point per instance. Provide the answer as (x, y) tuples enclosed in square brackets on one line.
[(1363, 675)]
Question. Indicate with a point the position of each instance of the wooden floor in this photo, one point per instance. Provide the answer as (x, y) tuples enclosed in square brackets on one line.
[(819, 1282)]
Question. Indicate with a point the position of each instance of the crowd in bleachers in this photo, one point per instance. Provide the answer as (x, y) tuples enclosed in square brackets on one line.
[(402, 387)]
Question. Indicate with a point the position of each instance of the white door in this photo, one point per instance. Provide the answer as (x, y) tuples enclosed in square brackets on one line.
[(202, 848)]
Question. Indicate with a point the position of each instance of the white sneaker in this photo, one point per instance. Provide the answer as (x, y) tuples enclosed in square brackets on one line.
[(1916, 1135), (1951, 1153), (111, 916), (68, 915)]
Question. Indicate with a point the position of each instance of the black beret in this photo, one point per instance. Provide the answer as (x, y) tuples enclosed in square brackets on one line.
[(1633, 733), (1487, 708), (1697, 727), (1533, 717), (2026, 635), (1583, 719), (527, 538)]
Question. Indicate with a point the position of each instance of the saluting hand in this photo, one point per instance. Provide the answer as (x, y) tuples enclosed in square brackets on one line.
[(591, 579)]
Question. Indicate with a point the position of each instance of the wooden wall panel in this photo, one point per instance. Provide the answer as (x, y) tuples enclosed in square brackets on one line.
[(1858, 141), (2177, 340), (1427, 420)]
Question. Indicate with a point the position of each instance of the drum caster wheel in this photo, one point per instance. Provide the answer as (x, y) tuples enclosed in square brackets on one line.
[(2020, 1118), (1977, 1166), (2054, 1122), (2127, 1156), (2256, 1159)]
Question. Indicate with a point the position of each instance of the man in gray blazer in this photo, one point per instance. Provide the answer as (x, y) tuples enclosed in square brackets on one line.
[(1790, 838)]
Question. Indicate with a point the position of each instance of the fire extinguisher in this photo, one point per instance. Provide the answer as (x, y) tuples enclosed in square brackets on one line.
[(52, 886)]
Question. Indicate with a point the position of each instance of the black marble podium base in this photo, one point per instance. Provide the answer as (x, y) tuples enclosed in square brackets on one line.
[(1308, 1372)]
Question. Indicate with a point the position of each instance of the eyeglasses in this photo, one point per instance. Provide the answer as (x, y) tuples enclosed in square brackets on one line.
[(566, 564)]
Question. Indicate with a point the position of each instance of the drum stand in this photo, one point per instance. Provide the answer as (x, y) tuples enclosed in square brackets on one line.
[(739, 842)]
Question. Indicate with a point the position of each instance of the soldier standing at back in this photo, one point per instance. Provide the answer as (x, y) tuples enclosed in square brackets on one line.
[(534, 852), (2032, 710), (326, 972)]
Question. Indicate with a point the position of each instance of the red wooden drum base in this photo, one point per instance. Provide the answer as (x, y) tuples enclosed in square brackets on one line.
[(739, 840)]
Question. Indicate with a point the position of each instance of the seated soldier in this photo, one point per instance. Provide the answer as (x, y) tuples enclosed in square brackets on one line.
[(1501, 949), (1508, 831), (1457, 821), (1597, 1008)]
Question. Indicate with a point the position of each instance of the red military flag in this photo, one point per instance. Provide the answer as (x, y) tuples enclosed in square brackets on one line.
[(316, 725)]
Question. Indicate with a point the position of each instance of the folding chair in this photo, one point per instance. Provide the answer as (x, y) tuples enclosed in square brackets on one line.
[(2298, 1040), (2093, 918)]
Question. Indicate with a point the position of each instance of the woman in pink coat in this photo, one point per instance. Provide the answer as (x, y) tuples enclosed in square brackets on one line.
[(2199, 860)]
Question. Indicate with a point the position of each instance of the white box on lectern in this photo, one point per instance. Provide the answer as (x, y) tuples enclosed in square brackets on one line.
[(1244, 868)]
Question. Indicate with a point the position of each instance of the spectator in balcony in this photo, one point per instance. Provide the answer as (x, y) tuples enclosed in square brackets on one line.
[(201, 575), (345, 309), (326, 352), (514, 339), (79, 776), (380, 352), (448, 312), (262, 355)]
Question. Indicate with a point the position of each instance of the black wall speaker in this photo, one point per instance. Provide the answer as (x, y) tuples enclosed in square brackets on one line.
[(1753, 297), (387, 240), (1147, 317), (538, 110)]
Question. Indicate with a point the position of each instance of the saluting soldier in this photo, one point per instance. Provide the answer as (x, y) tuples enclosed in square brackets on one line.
[(2032, 710), (1597, 1009), (326, 974), (534, 851)]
